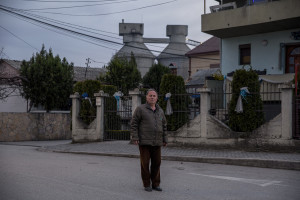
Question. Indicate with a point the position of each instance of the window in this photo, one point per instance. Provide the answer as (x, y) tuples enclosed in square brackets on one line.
[(245, 54), (173, 68), (293, 57)]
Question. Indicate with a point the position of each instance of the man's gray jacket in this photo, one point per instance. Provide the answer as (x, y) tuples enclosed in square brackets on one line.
[(149, 127)]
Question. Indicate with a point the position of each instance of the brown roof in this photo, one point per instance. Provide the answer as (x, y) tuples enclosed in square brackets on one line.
[(14, 63), (9, 68), (211, 45)]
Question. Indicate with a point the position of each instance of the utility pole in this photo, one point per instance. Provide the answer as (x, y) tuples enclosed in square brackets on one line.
[(87, 65)]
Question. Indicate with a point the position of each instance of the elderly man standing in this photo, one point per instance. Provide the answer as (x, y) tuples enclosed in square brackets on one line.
[(148, 129)]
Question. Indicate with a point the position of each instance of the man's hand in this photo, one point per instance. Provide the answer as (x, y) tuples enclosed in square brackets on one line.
[(136, 142)]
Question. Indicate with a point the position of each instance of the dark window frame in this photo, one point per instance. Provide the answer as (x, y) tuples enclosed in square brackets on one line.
[(244, 52)]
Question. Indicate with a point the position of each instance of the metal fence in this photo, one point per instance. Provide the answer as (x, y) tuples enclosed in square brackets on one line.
[(269, 94), (117, 116), (185, 107)]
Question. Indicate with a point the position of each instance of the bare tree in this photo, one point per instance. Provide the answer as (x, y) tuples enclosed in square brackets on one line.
[(10, 84)]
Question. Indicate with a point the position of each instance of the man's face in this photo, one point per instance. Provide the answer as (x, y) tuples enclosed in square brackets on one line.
[(151, 97)]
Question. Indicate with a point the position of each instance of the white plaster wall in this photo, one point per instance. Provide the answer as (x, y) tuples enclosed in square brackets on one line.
[(13, 104), (262, 57)]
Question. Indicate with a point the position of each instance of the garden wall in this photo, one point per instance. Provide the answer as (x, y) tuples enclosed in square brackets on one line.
[(34, 126)]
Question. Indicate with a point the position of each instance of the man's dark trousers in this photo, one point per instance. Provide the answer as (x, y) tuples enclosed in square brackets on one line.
[(152, 153)]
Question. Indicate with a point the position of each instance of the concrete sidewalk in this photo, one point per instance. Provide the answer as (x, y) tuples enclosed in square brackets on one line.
[(290, 161)]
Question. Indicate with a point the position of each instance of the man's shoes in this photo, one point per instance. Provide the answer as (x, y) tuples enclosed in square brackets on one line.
[(148, 189), (157, 188)]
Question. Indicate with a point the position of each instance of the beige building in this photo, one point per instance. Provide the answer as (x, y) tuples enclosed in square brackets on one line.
[(204, 56)]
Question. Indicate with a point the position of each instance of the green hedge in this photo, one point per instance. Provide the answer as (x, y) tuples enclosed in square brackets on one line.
[(252, 116), (87, 111), (175, 85)]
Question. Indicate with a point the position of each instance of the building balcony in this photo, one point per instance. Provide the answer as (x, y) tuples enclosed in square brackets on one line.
[(266, 16)]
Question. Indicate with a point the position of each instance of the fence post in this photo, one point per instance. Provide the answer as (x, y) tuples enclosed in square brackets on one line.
[(286, 111), (136, 98), (204, 109), (100, 114), (75, 111)]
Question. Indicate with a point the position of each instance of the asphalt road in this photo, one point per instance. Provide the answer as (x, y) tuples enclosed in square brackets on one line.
[(27, 174)]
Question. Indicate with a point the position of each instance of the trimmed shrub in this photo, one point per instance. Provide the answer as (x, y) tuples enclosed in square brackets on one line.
[(252, 116), (179, 101), (87, 110)]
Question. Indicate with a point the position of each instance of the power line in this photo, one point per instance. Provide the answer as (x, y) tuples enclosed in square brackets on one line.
[(62, 33), (72, 26), (88, 36), (98, 61), (46, 1), (57, 21), (62, 28), (2, 52), (78, 6), (69, 25), (19, 38), (111, 13)]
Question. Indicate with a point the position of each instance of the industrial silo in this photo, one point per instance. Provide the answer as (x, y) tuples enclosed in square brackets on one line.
[(133, 42), (173, 56)]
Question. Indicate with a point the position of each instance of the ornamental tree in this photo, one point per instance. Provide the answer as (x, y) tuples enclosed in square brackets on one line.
[(252, 116), (48, 80), (152, 78), (179, 101), (122, 73)]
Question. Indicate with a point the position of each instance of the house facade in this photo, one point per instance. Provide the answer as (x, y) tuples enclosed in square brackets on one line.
[(264, 34), (204, 56), (14, 102)]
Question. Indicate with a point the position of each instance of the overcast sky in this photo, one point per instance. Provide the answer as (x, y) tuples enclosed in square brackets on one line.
[(20, 37)]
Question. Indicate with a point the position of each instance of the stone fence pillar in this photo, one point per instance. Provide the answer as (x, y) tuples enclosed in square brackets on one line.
[(286, 111), (75, 110), (136, 98), (100, 114), (204, 109)]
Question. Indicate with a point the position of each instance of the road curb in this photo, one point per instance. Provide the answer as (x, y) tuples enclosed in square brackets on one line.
[(250, 162)]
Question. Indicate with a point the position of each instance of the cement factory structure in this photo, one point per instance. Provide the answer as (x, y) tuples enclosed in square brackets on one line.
[(173, 56)]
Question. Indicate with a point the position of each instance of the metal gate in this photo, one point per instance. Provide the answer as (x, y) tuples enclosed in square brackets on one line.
[(185, 107), (117, 116), (296, 131)]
